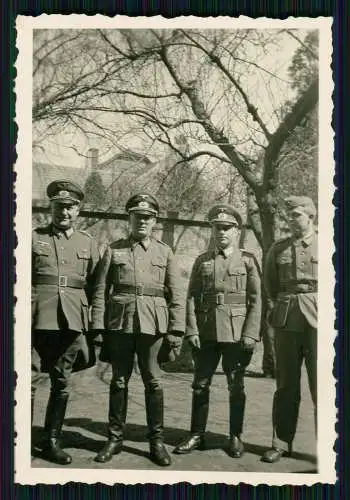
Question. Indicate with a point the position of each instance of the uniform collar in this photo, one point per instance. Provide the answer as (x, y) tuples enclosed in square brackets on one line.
[(57, 232), (306, 240), (226, 252), (143, 243)]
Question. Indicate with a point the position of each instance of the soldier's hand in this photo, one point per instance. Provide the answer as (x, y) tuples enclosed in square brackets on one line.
[(248, 344), (173, 340), (194, 341)]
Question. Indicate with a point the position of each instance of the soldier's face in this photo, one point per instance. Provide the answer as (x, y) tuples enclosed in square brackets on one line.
[(300, 223), (64, 215), (225, 235), (141, 225)]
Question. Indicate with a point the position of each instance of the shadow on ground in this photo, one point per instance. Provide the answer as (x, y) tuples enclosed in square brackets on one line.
[(138, 434)]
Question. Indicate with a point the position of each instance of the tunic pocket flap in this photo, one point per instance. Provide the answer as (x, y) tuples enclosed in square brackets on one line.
[(236, 271), (158, 261), (284, 259), (207, 268), (119, 258), (42, 249), (314, 260), (83, 254)]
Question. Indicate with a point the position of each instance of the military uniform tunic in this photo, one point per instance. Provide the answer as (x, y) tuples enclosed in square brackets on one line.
[(138, 298), (290, 279), (223, 305), (141, 284), (224, 297), (63, 270)]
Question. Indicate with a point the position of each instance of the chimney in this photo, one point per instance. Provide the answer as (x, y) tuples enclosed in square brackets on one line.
[(92, 159)]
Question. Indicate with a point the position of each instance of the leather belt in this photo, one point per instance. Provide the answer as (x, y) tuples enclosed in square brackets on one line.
[(139, 290), (63, 281), (224, 298)]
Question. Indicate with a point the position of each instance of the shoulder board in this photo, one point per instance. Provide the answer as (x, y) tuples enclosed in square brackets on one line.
[(247, 253), (85, 233), (282, 242), (208, 254), (122, 243), (160, 241), (41, 230)]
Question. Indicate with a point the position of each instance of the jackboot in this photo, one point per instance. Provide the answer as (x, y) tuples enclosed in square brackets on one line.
[(199, 418), (55, 413), (118, 405), (155, 421), (237, 407)]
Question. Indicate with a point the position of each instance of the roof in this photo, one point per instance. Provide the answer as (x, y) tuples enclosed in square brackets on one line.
[(44, 173)]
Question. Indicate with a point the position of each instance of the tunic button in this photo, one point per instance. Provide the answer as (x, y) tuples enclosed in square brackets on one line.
[(63, 261), (62, 248)]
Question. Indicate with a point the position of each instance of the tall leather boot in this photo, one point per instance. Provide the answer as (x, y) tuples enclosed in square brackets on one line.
[(118, 405), (199, 418), (155, 421), (237, 407), (55, 413)]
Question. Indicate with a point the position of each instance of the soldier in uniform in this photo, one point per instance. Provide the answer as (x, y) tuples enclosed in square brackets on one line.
[(223, 319), (290, 278), (139, 301), (63, 268)]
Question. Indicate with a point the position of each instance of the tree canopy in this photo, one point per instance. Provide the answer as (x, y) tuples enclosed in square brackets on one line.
[(228, 108)]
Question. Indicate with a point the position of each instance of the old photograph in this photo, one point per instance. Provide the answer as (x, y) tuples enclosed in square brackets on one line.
[(175, 287)]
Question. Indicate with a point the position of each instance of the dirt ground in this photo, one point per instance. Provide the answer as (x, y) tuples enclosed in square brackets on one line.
[(85, 429)]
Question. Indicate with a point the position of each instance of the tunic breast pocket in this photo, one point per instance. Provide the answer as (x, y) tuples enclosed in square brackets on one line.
[(42, 253), (237, 279), (207, 275), (158, 269), (122, 269), (83, 261), (285, 268), (42, 249)]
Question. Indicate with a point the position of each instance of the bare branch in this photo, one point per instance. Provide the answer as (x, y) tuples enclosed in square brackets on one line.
[(306, 102), (313, 54), (193, 156), (216, 136), (252, 110)]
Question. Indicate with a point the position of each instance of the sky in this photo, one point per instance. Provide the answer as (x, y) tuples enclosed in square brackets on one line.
[(62, 149)]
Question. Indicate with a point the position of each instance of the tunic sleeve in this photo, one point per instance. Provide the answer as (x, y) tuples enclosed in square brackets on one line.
[(176, 300), (100, 290), (193, 295), (251, 327)]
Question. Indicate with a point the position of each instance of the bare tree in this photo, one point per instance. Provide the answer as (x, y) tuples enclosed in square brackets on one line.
[(226, 91)]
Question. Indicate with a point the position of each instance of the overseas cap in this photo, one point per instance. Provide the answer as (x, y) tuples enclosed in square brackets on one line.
[(301, 204), (64, 191), (224, 214), (142, 203)]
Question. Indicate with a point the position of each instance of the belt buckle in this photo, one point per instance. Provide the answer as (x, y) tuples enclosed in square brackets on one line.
[(220, 299), (62, 280), (139, 290)]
